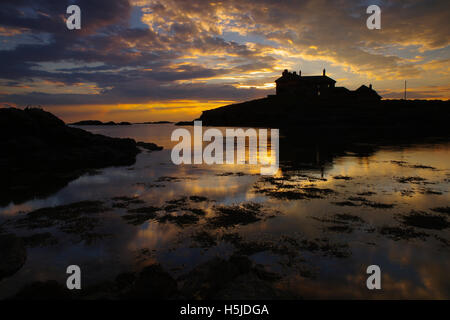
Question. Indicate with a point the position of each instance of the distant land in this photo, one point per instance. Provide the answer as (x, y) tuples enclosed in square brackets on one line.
[(112, 123), (99, 123), (155, 122), (184, 123)]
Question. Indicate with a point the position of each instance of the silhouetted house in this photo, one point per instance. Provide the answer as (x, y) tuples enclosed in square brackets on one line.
[(365, 93), (293, 84), (342, 93)]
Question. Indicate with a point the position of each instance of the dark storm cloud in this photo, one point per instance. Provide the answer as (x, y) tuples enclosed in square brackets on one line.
[(47, 15)]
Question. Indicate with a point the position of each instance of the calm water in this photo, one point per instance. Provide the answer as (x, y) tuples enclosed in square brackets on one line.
[(318, 228)]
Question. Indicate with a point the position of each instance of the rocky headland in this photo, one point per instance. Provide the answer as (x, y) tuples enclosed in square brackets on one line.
[(41, 154), (325, 119)]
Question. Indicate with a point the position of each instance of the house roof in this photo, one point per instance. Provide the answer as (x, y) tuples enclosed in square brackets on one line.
[(341, 89), (318, 79), (309, 79), (365, 90)]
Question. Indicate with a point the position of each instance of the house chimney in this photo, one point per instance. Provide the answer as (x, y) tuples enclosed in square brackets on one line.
[(300, 73), (370, 86), (324, 71)]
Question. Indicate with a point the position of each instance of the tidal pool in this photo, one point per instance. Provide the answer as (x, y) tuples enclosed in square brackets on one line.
[(317, 225)]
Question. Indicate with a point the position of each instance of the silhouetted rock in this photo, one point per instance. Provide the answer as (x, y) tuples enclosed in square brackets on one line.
[(149, 146), (40, 154), (235, 278), (153, 282), (250, 287), (39, 290), (205, 280), (13, 255), (40, 240)]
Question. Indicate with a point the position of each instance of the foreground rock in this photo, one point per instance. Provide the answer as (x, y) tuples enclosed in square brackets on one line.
[(13, 255), (235, 278), (47, 290), (40, 154), (151, 283)]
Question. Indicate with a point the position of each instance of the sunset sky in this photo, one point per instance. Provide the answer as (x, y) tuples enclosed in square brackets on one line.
[(145, 60)]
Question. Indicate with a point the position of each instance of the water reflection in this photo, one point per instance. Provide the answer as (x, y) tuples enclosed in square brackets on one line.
[(326, 215)]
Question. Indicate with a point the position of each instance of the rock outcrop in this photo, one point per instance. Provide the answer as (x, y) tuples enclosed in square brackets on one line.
[(13, 255), (40, 154)]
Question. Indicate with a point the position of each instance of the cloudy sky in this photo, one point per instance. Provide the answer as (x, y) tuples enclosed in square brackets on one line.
[(146, 60)]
